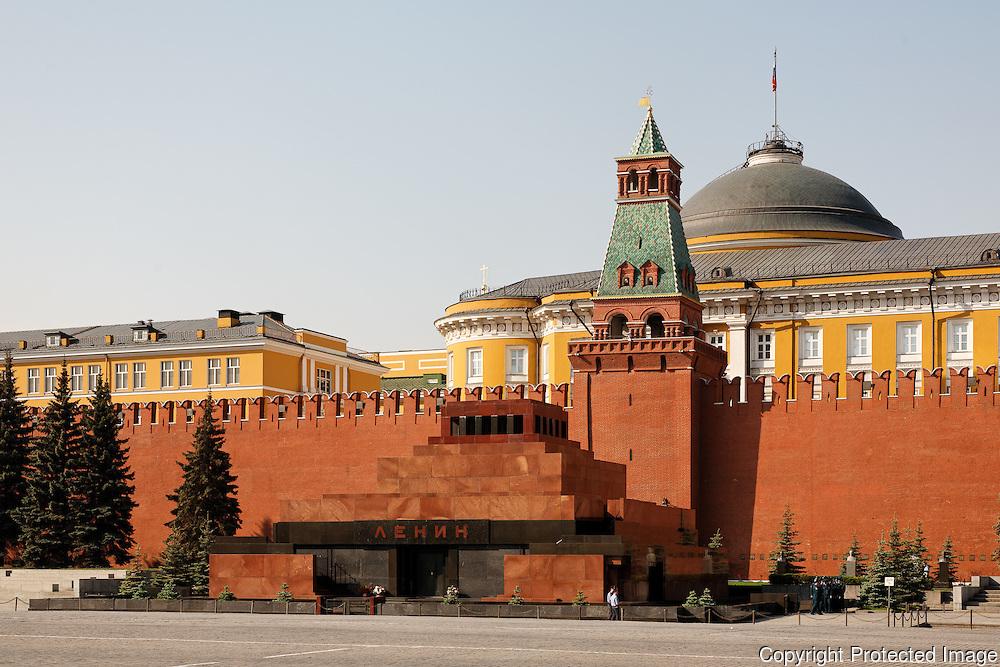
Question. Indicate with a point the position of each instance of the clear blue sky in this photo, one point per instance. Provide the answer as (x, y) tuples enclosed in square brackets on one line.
[(353, 164)]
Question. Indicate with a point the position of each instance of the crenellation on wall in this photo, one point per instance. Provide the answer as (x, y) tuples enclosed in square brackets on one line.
[(890, 390)]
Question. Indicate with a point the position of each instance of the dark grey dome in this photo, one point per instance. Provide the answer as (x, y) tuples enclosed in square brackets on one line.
[(781, 196)]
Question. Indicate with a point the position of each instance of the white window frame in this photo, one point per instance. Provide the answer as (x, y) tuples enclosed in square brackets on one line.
[(93, 376), (324, 380), (121, 377), (166, 374), (718, 339), (232, 370), (762, 342), (76, 378), (139, 375), (543, 361), (959, 355), (512, 352), (214, 366), (811, 346), (908, 333), (34, 378), (473, 379), (140, 335), (185, 373), (53, 340), (859, 346), (51, 373)]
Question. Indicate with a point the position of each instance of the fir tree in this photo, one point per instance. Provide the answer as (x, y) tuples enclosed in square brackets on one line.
[(226, 595), (916, 571), (706, 599), (873, 592), (134, 586), (284, 595), (715, 543), (948, 560), (692, 600), (103, 493), (786, 546), (15, 439), (205, 505), (580, 600), (45, 516), (168, 591)]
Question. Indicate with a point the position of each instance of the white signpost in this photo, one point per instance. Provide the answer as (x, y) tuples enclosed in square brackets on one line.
[(889, 583)]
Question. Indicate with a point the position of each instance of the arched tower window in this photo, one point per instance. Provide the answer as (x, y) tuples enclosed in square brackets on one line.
[(633, 181), (654, 326), (654, 180), (617, 326)]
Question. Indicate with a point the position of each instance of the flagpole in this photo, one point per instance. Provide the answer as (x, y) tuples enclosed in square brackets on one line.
[(774, 88)]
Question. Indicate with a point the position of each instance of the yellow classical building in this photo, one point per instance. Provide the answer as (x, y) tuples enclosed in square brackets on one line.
[(233, 355), (798, 273)]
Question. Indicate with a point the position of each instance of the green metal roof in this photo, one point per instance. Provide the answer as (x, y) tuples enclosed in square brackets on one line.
[(649, 140), (646, 231)]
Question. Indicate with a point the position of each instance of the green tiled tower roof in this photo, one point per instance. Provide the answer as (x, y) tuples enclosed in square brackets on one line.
[(649, 140), (646, 231)]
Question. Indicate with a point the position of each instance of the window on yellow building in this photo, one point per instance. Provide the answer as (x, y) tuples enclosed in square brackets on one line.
[(811, 345), (517, 364), (50, 379), (232, 370), (166, 374), (93, 376), (959, 335), (765, 350), (324, 381), (214, 371), (184, 373), (859, 343), (121, 376), (139, 375), (474, 367), (718, 339), (33, 375), (76, 378), (908, 338), (451, 370), (543, 360)]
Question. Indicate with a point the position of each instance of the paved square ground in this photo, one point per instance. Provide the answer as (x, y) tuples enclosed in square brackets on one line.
[(172, 640)]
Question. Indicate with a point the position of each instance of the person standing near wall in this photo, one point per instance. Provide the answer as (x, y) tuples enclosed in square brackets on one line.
[(613, 608)]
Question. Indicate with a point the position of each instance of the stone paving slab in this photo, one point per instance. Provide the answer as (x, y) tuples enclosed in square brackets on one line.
[(174, 640)]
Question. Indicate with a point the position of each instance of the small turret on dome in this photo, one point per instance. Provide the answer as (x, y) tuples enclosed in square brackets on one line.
[(776, 147)]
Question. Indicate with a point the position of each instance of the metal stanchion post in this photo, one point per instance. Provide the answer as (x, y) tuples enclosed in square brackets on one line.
[(845, 616), (753, 616), (799, 614), (970, 618)]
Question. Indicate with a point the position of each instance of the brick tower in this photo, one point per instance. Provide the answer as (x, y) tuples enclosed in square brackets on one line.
[(637, 378)]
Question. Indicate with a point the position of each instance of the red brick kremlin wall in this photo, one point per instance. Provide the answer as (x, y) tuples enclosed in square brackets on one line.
[(848, 466), (844, 466)]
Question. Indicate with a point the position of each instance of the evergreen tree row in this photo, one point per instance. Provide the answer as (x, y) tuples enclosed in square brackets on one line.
[(65, 484)]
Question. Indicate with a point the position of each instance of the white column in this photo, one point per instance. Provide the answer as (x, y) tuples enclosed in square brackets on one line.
[(343, 382), (336, 379), (312, 375), (736, 349), (302, 384)]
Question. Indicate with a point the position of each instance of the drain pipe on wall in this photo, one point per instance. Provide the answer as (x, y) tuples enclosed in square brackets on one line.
[(580, 319), (930, 295), (760, 296), (538, 345)]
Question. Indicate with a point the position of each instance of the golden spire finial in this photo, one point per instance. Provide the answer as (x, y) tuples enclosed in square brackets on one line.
[(646, 101)]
